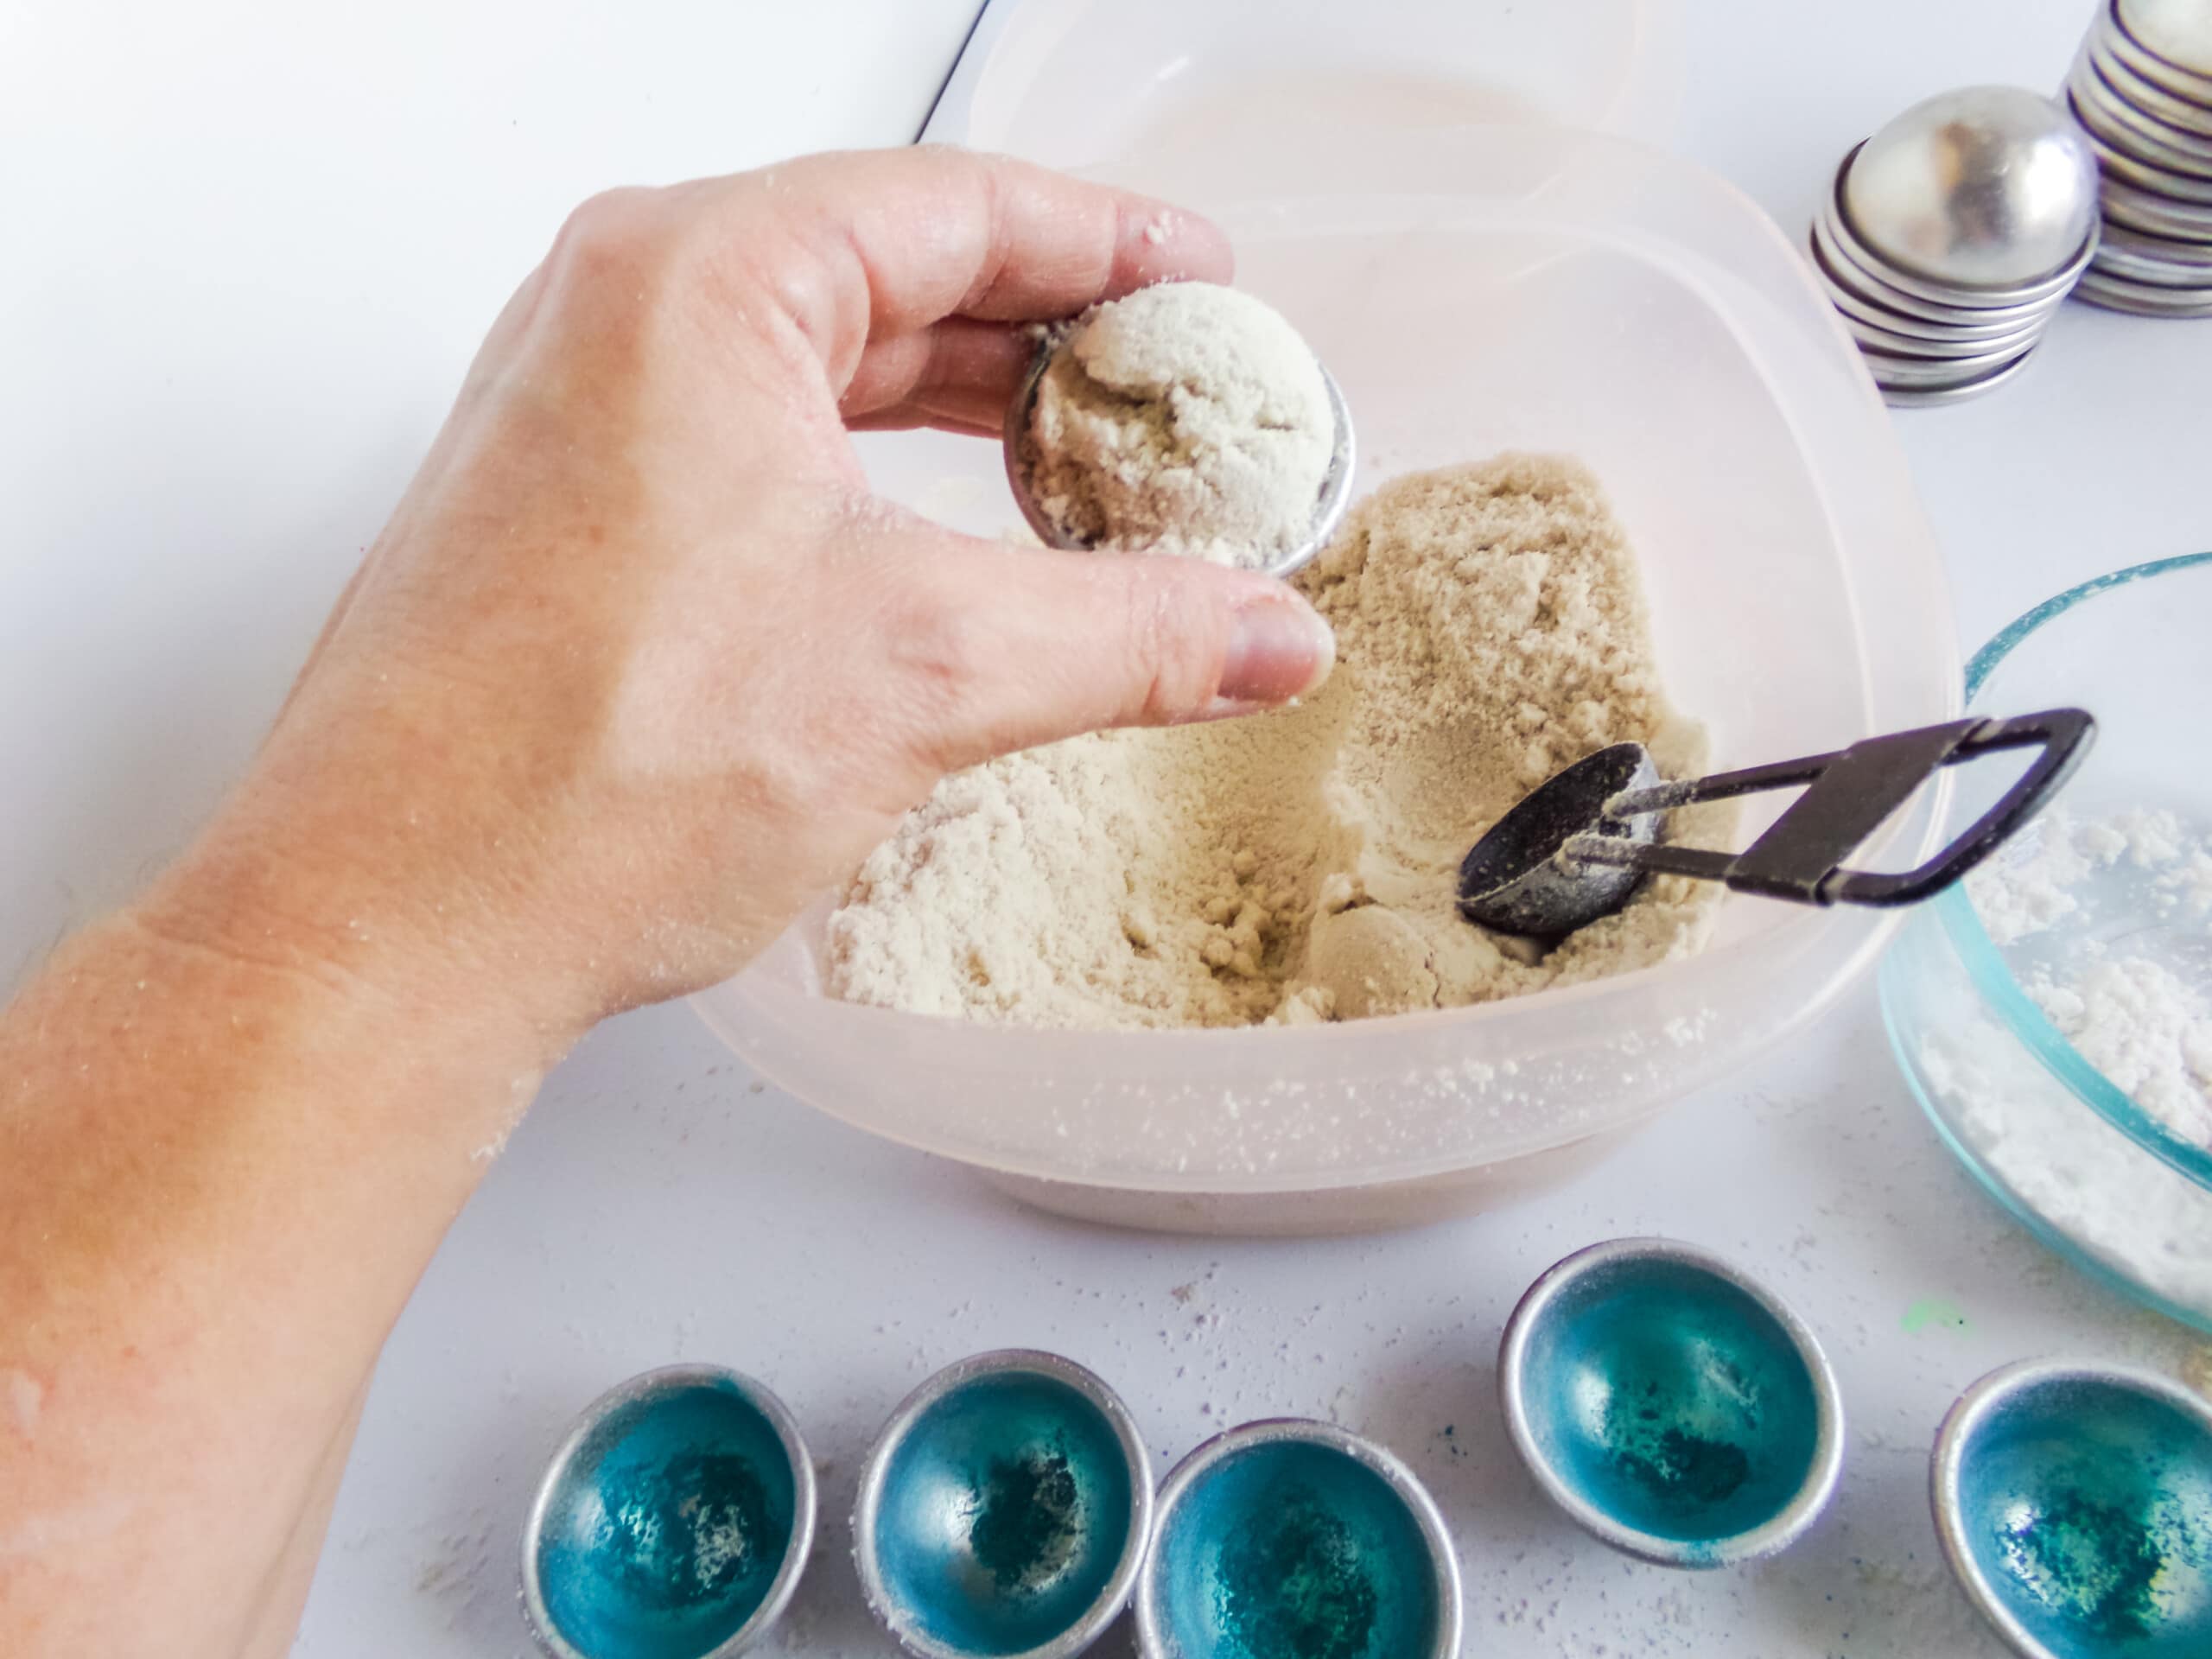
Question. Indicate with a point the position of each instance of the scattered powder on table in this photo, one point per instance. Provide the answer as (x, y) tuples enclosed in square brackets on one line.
[(1302, 866), (1187, 418)]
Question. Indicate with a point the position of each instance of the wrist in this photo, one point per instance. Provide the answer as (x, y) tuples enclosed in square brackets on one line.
[(407, 964)]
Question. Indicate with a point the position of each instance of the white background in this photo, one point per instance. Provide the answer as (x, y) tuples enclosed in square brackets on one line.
[(246, 250)]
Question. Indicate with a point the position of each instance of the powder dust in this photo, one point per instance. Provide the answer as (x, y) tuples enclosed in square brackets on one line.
[(1187, 418), (1301, 866)]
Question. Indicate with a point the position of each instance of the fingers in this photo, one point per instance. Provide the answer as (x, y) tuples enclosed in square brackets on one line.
[(884, 244), (959, 372), (995, 649)]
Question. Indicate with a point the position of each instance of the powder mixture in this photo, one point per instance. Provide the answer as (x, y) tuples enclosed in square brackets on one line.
[(2106, 924), (1301, 866), (1187, 418)]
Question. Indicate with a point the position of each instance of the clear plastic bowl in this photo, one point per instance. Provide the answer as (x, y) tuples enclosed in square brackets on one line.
[(2056, 1141), (1072, 83), (1473, 292)]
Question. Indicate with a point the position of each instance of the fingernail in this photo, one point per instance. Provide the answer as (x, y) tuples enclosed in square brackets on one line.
[(1280, 648)]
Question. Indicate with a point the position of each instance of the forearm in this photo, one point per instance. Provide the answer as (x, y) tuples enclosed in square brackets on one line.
[(219, 1181)]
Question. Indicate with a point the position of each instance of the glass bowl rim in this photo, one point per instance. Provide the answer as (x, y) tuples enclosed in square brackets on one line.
[(1986, 967)]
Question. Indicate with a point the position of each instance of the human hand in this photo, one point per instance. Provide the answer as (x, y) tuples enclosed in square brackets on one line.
[(640, 665)]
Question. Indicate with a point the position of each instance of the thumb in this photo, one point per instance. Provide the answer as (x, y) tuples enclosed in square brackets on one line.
[(1007, 647)]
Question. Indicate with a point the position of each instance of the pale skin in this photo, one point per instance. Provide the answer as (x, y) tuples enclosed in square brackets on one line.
[(638, 668)]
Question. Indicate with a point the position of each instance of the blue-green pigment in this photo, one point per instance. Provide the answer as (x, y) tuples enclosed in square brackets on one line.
[(687, 1530), (1029, 1519), (1294, 1586), (2095, 1563)]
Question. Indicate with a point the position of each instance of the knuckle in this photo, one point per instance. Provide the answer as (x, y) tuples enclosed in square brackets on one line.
[(616, 236), (936, 647)]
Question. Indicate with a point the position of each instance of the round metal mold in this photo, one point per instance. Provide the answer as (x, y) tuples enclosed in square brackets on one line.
[(2154, 266), (1922, 374), (2139, 90), (2118, 164), (1986, 189), (1855, 302), (2177, 33), (2104, 112), (1850, 243), (2074, 1504), (1901, 397), (1937, 347), (1932, 397), (2156, 214), (2161, 250), (2143, 299), (673, 1523), (1329, 508), (1843, 271), (1003, 1510), (1285, 1537), (1673, 1407)]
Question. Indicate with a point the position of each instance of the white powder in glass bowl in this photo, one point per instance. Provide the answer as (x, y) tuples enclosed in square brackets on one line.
[(2106, 924)]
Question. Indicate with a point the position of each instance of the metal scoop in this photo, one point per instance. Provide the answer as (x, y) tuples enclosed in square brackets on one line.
[(1328, 506), (1575, 848)]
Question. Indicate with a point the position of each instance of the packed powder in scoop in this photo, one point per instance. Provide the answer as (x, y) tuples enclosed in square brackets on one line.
[(1301, 866), (1187, 418)]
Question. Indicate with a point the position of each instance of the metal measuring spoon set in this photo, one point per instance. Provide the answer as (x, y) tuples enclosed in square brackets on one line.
[(2141, 88)]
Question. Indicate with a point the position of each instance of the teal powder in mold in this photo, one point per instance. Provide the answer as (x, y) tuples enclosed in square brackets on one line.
[(1676, 1466), (682, 1532), (2095, 1563), (1294, 1586), (1029, 1519)]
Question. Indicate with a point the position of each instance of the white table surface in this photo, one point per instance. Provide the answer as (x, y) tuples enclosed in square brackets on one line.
[(249, 248)]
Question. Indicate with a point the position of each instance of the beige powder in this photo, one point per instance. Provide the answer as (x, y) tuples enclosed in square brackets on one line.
[(1302, 866), (1187, 418)]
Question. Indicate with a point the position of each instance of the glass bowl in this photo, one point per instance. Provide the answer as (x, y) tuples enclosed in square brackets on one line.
[(1473, 291), (2042, 1010)]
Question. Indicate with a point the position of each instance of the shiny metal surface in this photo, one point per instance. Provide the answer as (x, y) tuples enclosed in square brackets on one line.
[(2142, 299), (1328, 511), (2159, 215), (2119, 164), (1988, 188), (2177, 31), (907, 1624), (2138, 89), (2121, 243), (638, 1397), (2094, 102), (1936, 346), (1557, 1295), (1931, 397), (2126, 46), (1847, 239), (1158, 1591), (2069, 1409), (1838, 269), (1860, 299), (1894, 373)]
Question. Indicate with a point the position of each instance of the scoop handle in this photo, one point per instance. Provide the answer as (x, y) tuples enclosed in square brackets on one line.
[(1851, 792)]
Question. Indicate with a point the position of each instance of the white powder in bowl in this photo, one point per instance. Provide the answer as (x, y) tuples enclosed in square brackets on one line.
[(2104, 924), (1187, 418)]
